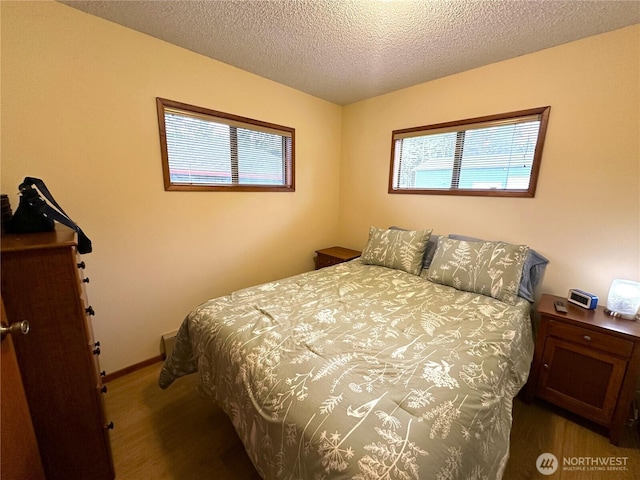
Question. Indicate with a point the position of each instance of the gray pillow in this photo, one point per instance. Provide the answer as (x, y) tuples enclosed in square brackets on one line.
[(430, 251), (399, 249), (489, 268)]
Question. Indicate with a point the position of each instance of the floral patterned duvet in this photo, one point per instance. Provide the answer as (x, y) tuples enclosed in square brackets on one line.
[(362, 372)]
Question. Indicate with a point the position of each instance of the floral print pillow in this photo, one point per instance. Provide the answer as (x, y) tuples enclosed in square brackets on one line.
[(489, 268), (399, 249)]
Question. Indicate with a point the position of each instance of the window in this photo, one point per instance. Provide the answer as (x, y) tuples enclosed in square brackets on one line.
[(207, 150), (498, 155)]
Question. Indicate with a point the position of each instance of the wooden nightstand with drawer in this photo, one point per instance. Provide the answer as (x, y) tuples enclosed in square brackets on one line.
[(334, 255), (586, 362)]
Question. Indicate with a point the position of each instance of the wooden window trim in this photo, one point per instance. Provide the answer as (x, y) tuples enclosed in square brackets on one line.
[(530, 192), (289, 164)]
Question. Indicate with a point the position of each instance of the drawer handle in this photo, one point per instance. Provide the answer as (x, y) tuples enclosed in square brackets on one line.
[(104, 389), (110, 426), (587, 338), (81, 265), (546, 366), (90, 310), (85, 280), (96, 351)]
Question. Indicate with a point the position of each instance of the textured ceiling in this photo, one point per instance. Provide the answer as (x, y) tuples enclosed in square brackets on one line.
[(349, 50)]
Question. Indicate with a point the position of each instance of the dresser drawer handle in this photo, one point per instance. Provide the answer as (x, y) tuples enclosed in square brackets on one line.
[(85, 280), (587, 338), (104, 389), (81, 265), (546, 366), (110, 426), (96, 351), (90, 310)]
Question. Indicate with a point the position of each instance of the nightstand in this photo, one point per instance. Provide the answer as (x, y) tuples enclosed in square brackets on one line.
[(334, 255), (586, 362)]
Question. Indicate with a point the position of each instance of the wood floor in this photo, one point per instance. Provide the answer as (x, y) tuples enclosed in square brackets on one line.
[(175, 434)]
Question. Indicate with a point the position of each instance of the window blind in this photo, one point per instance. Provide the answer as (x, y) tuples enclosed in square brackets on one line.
[(209, 149), (499, 154)]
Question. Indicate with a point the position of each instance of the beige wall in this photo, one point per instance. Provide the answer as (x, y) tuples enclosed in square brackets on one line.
[(78, 110), (585, 215)]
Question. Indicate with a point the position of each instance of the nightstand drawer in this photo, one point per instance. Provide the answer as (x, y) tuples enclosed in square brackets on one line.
[(326, 261), (601, 341), (334, 255)]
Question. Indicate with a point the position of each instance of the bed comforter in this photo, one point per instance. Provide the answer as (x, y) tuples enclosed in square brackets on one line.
[(362, 372)]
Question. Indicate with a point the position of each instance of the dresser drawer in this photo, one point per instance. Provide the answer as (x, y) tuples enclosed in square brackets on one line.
[(593, 339)]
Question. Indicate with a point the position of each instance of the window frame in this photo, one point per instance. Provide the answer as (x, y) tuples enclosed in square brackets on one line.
[(542, 112), (163, 105)]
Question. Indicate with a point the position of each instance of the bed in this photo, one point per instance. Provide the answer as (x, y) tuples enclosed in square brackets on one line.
[(400, 364)]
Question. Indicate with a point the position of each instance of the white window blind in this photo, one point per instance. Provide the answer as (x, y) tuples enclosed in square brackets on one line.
[(498, 155), (204, 149)]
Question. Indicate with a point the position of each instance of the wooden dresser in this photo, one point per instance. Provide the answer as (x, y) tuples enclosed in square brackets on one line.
[(43, 282)]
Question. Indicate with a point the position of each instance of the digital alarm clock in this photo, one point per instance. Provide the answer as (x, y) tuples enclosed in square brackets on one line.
[(583, 299)]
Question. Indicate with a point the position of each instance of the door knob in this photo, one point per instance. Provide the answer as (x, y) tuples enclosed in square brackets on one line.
[(15, 328)]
